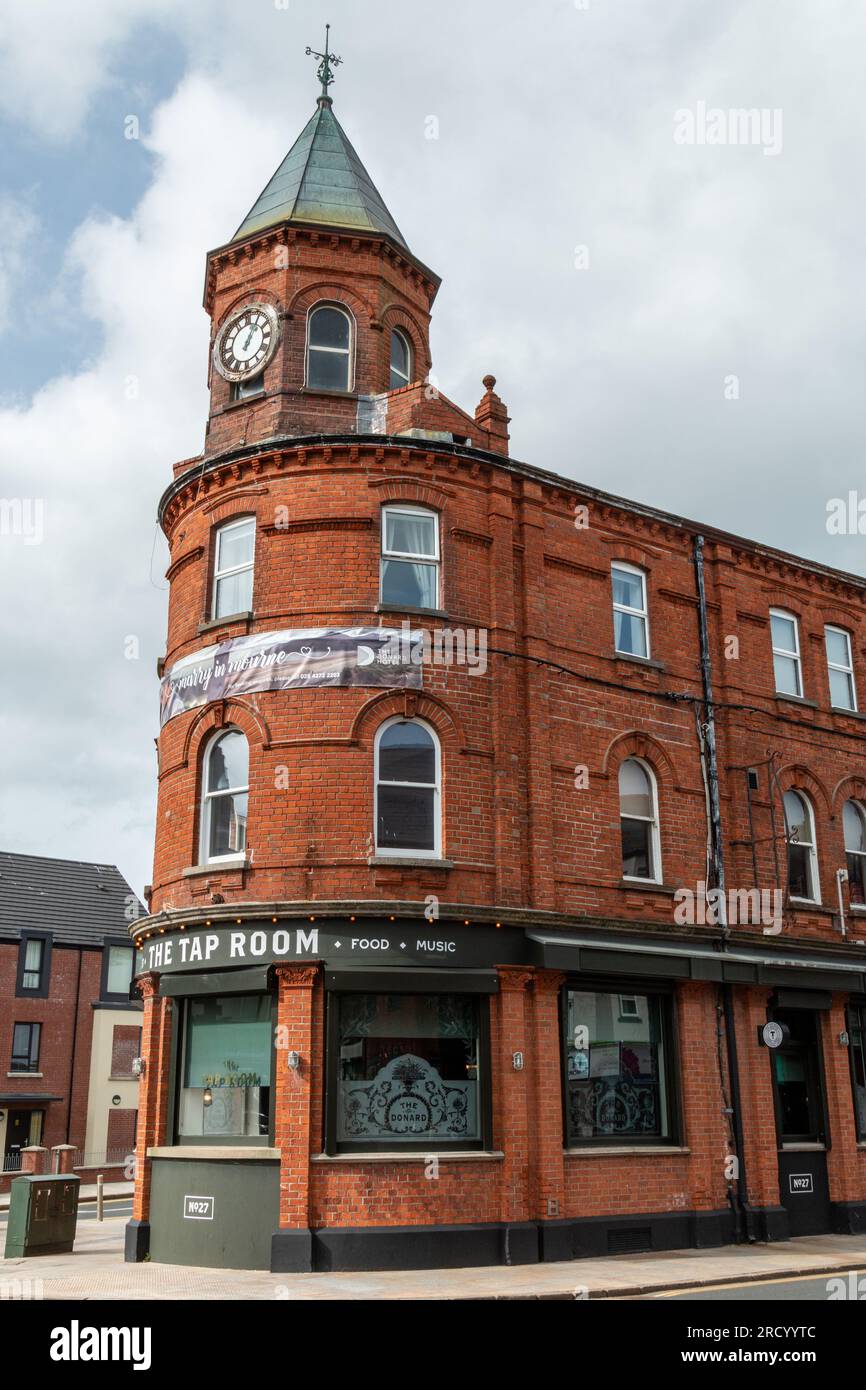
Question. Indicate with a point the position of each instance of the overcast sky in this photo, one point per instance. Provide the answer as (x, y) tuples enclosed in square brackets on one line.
[(614, 279)]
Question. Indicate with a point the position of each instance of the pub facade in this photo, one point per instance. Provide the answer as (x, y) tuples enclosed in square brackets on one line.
[(508, 897)]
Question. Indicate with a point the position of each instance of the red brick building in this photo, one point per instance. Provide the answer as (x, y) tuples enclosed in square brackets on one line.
[(452, 748), (69, 1032)]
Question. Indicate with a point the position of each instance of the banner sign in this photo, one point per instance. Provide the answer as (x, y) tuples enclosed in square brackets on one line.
[(292, 660), (375, 942)]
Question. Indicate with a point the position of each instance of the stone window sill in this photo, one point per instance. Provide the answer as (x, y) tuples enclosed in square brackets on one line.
[(407, 608), (242, 400), (379, 861), (441, 1156), (626, 1150), (795, 700), (642, 885), (645, 661), (219, 866), (225, 622), (24, 1075), (216, 1151)]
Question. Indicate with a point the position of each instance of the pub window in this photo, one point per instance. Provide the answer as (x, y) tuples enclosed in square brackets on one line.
[(854, 827), (401, 360), (803, 881), (329, 349), (410, 557), (34, 966), (857, 1034), (410, 1071), (639, 822), (234, 560), (618, 1068), (840, 668), (225, 1068), (26, 1038), (408, 795), (787, 668), (630, 613), (225, 797)]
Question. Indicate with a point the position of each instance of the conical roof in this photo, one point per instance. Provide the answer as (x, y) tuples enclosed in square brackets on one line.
[(322, 181)]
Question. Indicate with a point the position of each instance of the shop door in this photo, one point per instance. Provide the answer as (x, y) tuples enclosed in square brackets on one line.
[(801, 1122), (17, 1138)]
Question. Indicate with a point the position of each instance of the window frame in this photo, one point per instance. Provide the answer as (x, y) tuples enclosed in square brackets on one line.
[(32, 1069), (348, 353), (180, 1016), (643, 613), (232, 523), (206, 798), (811, 845), (42, 989), (108, 944), (845, 670), (386, 851), (665, 992), (403, 986), (407, 342), (856, 1008), (653, 822), (860, 811), (407, 556), (796, 655)]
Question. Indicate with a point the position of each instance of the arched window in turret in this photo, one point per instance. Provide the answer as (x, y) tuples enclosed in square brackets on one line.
[(225, 795), (401, 360), (330, 349)]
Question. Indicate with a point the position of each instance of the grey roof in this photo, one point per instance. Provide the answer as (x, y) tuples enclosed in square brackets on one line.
[(321, 181), (78, 903)]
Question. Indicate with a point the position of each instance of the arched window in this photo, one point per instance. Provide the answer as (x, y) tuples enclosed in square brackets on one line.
[(787, 665), (408, 790), (854, 826), (329, 349), (401, 360), (802, 857), (410, 557), (639, 822), (225, 793)]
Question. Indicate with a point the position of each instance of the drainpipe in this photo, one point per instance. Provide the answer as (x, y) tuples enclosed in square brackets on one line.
[(743, 1223), (72, 1048)]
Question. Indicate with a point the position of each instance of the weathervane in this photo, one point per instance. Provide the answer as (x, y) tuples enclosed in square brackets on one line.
[(327, 65)]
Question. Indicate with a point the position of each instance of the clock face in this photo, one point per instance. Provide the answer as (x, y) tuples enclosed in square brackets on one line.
[(247, 342)]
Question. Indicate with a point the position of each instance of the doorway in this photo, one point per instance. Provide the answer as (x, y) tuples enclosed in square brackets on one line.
[(801, 1121), (17, 1138)]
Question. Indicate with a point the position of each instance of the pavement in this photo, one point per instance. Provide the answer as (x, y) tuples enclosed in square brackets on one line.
[(95, 1271)]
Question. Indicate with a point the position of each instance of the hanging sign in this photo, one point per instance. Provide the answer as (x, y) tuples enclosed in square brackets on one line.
[(292, 660)]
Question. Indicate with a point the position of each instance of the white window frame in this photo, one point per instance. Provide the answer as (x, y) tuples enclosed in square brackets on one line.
[(632, 612), (339, 352), (791, 655), (845, 670), (406, 508), (811, 845), (860, 811), (218, 574), (652, 821), (399, 333), (388, 851), (207, 798)]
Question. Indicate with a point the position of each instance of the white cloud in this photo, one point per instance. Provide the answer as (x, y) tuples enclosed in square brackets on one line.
[(18, 227)]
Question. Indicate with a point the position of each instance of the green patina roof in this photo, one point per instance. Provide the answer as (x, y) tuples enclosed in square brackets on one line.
[(321, 180)]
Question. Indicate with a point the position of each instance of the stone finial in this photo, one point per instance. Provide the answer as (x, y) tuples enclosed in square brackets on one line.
[(492, 417), (488, 382)]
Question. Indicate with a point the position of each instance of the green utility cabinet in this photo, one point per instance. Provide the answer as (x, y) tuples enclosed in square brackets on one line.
[(42, 1215)]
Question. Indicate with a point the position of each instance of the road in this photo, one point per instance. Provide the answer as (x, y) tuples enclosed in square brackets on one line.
[(807, 1289), (116, 1206)]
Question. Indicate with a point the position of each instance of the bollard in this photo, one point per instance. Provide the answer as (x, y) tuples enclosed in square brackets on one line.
[(100, 1182)]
